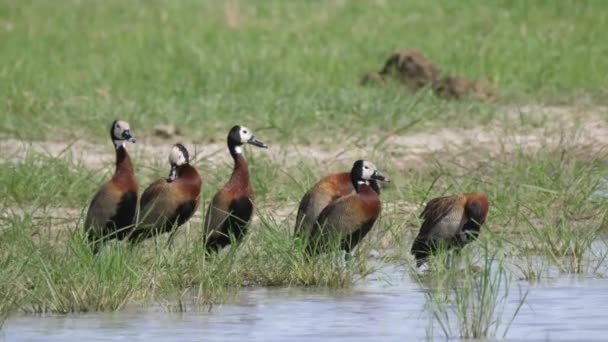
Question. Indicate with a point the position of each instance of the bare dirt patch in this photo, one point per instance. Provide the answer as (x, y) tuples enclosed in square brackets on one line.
[(469, 145), (561, 126)]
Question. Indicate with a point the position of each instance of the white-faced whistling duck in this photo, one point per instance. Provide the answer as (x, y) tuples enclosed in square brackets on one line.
[(351, 217), (231, 208), (168, 203), (112, 210), (450, 222), (325, 191)]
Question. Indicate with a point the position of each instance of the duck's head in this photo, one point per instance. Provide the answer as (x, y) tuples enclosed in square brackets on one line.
[(363, 172), (120, 133), (240, 135), (177, 157), (476, 208)]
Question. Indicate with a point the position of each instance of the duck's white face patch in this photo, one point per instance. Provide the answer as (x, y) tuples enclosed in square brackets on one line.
[(119, 127), (117, 131), (176, 157), (368, 170), (245, 134)]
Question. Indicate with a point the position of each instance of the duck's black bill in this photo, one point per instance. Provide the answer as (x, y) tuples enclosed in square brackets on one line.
[(127, 136), (255, 142), (172, 173), (377, 176)]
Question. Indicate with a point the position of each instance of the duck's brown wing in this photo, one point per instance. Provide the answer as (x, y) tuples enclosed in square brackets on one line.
[(152, 192), (216, 217), (102, 208), (435, 211), (302, 214), (340, 218), (443, 217), (155, 204)]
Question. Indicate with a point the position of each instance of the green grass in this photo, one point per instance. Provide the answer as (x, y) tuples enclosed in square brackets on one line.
[(278, 66), (40, 180), (467, 303), (53, 271), (9, 294), (50, 268)]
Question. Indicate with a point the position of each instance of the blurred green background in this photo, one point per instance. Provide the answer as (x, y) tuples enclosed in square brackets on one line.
[(288, 67)]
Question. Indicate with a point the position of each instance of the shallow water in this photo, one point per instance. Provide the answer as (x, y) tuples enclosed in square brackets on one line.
[(386, 308), (602, 190)]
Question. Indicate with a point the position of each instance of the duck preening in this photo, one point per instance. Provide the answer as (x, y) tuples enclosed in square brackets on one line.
[(169, 202), (449, 222), (231, 208), (325, 191), (112, 210), (351, 217)]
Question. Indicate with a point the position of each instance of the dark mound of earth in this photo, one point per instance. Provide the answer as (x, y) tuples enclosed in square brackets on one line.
[(412, 69)]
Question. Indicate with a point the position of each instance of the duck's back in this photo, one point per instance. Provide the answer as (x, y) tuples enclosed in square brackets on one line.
[(443, 217), (350, 218), (102, 208), (157, 203), (327, 190)]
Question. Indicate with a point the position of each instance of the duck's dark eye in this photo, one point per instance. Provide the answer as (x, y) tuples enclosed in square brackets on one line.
[(245, 132), (365, 167)]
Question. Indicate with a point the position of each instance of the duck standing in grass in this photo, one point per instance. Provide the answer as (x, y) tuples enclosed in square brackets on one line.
[(168, 203), (231, 208), (351, 217), (112, 210), (449, 222), (325, 191)]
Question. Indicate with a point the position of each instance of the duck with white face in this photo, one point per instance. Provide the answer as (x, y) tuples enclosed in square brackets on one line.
[(239, 136), (364, 172), (349, 218), (169, 202), (231, 208), (322, 193), (121, 133), (111, 213), (178, 157)]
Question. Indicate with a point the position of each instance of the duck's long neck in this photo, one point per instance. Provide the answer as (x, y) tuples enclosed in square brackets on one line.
[(364, 187), (124, 167), (357, 182), (370, 200), (240, 173), (368, 189), (188, 174), (375, 186), (186, 171)]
